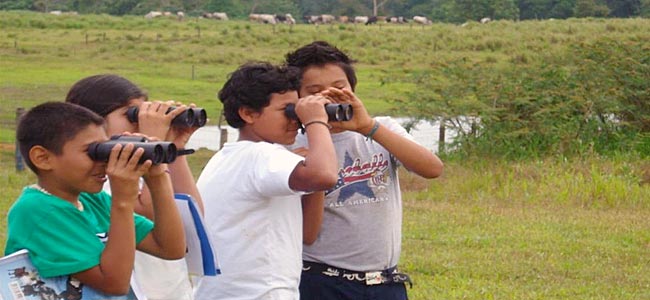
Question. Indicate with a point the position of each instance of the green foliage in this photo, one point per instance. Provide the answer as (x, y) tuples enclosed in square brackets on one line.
[(590, 97)]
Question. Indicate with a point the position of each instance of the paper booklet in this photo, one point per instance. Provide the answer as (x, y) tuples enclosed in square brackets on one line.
[(19, 280), (200, 257)]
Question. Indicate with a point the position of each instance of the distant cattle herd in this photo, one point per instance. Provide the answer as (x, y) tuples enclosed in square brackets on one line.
[(309, 19), (289, 19)]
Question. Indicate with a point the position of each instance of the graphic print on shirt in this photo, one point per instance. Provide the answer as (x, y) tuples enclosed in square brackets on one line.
[(364, 178)]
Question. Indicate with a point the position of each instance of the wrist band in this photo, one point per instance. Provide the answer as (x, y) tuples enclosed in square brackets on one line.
[(317, 122), (372, 131)]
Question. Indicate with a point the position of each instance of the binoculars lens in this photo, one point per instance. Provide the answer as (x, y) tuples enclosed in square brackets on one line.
[(200, 116), (157, 152), (192, 117), (335, 112)]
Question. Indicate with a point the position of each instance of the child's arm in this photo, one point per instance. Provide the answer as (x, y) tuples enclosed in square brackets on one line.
[(154, 121), (413, 156), (319, 169), (312, 216), (312, 210), (167, 239), (113, 273)]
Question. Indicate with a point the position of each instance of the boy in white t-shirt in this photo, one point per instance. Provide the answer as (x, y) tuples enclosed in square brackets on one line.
[(251, 188)]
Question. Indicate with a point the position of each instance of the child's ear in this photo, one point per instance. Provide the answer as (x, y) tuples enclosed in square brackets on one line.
[(248, 114), (41, 157)]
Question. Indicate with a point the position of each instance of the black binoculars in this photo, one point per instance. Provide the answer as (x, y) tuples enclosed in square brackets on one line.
[(192, 117), (157, 152), (335, 112)]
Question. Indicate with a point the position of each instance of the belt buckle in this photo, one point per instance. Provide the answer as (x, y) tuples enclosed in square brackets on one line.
[(373, 278)]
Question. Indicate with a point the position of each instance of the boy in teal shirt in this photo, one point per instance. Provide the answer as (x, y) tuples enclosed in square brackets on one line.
[(67, 223)]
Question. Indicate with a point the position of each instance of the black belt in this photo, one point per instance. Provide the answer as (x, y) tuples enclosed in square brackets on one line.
[(388, 276)]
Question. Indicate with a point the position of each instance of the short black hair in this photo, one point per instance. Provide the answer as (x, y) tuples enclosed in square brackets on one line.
[(104, 93), (252, 84), (51, 125), (320, 53)]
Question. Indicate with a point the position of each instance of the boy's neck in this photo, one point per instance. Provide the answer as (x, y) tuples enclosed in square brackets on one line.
[(51, 189), (246, 134)]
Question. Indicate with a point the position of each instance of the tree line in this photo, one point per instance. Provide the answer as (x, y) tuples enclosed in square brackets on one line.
[(454, 11)]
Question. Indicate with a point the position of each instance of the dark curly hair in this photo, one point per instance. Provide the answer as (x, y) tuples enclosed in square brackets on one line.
[(252, 84), (320, 53), (51, 125)]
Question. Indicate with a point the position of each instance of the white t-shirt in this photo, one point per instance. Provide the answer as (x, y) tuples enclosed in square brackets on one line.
[(254, 221), (157, 278)]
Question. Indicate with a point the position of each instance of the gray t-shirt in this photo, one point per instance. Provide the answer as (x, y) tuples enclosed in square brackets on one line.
[(362, 223)]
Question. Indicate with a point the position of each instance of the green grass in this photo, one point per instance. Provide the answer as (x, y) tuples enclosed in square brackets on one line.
[(488, 230)]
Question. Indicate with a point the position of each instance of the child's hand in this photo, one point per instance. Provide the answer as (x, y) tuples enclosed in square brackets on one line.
[(180, 135), (154, 120), (154, 170), (361, 121), (124, 171), (312, 108)]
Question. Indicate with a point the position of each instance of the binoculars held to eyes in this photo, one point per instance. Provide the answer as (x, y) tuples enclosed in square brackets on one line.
[(335, 112), (192, 117), (157, 152)]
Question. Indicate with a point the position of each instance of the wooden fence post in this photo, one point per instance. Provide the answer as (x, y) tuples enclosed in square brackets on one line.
[(223, 131), (441, 137), (20, 165)]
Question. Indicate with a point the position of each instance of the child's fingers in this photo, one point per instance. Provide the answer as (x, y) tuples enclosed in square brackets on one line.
[(177, 111), (114, 156), (134, 156), (144, 167)]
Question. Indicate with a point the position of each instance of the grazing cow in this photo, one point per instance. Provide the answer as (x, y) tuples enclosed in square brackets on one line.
[(371, 20), (361, 19), (286, 19), (421, 20), (397, 20), (220, 16), (153, 14), (262, 18), (344, 19), (485, 20), (327, 19), (180, 15), (290, 20), (312, 19)]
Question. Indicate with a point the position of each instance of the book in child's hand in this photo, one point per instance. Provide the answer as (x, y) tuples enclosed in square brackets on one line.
[(19, 280)]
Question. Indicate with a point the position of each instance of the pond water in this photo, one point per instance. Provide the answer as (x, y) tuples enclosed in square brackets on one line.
[(425, 133)]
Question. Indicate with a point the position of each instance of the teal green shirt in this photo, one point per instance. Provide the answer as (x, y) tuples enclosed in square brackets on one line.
[(60, 238)]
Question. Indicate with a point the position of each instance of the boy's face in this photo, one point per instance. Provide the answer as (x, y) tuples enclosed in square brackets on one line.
[(319, 78), (72, 171), (117, 122), (272, 125)]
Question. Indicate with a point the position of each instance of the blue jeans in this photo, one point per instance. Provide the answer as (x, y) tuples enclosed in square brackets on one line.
[(316, 286)]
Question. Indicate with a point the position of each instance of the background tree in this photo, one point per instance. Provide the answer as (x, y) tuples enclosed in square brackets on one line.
[(590, 8)]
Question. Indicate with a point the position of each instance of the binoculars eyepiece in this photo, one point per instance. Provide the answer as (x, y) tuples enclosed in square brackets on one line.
[(157, 152), (192, 117), (335, 112)]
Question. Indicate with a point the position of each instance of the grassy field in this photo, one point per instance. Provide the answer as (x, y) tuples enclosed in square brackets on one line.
[(554, 228), (535, 230)]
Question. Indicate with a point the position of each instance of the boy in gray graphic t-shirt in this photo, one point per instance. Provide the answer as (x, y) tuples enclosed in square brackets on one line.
[(355, 249)]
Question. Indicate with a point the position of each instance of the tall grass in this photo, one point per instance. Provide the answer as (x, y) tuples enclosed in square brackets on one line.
[(550, 229)]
